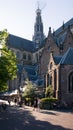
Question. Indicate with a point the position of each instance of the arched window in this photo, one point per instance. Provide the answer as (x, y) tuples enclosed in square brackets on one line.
[(50, 80), (18, 55), (51, 65), (24, 56), (70, 88), (49, 48), (55, 80)]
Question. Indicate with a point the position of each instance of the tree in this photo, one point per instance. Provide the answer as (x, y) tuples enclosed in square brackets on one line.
[(49, 91), (29, 90), (8, 67)]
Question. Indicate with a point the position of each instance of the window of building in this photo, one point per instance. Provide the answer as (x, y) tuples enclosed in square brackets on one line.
[(24, 56), (55, 79), (29, 57), (50, 80), (70, 88), (18, 54), (49, 48), (51, 65)]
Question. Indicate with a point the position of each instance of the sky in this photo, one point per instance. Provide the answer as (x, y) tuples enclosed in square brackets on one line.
[(18, 16)]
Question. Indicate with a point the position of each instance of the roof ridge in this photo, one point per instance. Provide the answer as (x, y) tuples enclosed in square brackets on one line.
[(59, 30)]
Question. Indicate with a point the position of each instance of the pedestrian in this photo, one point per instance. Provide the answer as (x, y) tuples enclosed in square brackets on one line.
[(35, 103), (38, 104), (15, 101)]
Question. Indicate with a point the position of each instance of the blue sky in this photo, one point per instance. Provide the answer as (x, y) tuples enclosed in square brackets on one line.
[(18, 16)]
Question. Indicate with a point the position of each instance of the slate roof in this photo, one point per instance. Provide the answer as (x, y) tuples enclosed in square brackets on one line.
[(67, 59), (61, 39), (27, 45), (30, 69), (21, 43), (58, 31), (57, 59)]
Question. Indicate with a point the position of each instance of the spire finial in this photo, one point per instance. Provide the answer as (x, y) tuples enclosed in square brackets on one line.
[(38, 9), (38, 4)]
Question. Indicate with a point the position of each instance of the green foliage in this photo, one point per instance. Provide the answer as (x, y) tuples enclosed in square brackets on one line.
[(3, 87), (49, 91), (29, 101), (3, 36), (8, 68), (48, 103), (29, 90)]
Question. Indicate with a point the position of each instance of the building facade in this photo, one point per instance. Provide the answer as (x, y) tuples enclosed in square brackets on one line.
[(45, 61), (56, 62)]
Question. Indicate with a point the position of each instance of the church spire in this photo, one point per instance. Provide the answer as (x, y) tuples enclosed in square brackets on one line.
[(38, 29)]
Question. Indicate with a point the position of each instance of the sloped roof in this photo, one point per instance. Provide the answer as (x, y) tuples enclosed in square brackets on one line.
[(21, 43), (59, 30), (68, 57), (30, 69), (61, 39), (57, 59)]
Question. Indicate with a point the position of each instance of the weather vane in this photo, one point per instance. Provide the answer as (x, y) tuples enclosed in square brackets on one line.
[(39, 5)]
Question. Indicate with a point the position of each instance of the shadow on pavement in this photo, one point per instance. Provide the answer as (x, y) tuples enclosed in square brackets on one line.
[(55, 112), (49, 112), (16, 118)]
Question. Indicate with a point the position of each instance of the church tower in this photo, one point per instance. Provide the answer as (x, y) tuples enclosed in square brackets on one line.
[(38, 29)]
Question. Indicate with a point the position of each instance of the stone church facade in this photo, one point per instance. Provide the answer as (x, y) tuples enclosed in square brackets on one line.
[(45, 60), (56, 63)]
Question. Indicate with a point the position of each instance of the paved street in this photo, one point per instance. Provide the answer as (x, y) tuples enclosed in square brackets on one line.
[(16, 118)]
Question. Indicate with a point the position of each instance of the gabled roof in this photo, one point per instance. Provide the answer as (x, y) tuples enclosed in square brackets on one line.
[(57, 59), (68, 57), (58, 31), (21, 43)]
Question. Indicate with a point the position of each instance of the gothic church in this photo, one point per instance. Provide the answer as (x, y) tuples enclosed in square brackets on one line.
[(45, 60)]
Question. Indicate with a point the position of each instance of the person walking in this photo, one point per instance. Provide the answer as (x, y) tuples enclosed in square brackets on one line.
[(35, 103), (38, 104)]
